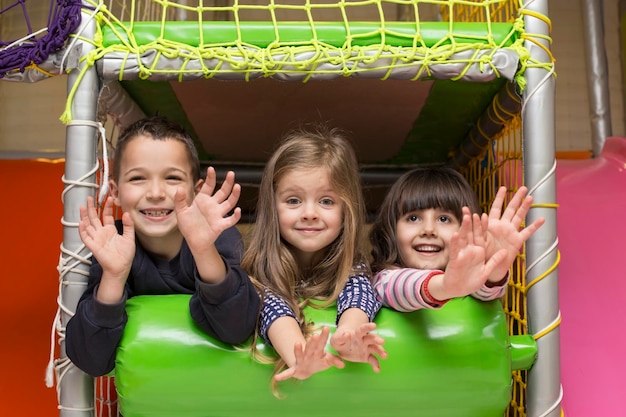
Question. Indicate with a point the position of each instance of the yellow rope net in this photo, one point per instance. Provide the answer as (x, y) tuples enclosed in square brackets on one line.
[(300, 40), (244, 39)]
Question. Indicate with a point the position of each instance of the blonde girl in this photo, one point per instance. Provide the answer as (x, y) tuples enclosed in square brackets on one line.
[(307, 246)]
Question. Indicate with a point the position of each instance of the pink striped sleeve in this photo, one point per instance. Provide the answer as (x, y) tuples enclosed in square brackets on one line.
[(400, 288), (486, 293)]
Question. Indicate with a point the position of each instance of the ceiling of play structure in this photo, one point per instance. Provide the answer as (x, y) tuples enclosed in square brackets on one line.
[(394, 124)]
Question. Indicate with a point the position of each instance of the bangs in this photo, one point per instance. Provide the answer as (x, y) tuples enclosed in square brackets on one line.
[(435, 192), (428, 199)]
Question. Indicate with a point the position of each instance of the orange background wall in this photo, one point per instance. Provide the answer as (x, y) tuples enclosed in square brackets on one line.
[(31, 212)]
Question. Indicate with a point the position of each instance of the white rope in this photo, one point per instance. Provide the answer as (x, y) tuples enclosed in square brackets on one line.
[(543, 255), (70, 261), (104, 187), (555, 405), (552, 324), (25, 38), (76, 38), (549, 74)]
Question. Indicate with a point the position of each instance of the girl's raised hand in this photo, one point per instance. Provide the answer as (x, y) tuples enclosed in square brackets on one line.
[(311, 358), (359, 345), (504, 230), (468, 268)]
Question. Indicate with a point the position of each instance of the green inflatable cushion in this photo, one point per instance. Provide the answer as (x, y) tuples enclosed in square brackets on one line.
[(452, 362), (264, 34)]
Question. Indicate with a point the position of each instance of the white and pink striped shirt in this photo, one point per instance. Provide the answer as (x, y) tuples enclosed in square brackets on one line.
[(400, 289)]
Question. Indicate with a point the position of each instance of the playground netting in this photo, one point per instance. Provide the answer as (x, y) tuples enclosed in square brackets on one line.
[(488, 112)]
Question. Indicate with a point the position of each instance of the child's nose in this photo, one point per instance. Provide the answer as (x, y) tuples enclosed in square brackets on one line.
[(156, 190), (428, 228), (309, 212)]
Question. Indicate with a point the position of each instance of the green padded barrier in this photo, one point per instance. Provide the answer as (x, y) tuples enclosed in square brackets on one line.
[(263, 34), (451, 362)]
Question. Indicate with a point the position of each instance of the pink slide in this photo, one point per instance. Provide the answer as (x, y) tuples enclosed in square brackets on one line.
[(592, 282)]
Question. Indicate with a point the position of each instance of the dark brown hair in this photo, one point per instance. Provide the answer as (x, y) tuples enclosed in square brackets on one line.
[(157, 128), (418, 189)]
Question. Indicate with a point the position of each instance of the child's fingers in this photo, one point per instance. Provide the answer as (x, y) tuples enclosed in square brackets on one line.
[(365, 328), (516, 203), (316, 343), (464, 231), (229, 191), (233, 196), (180, 200), (129, 226), (334, 360), (522, 211), (228, 184), (323, 335), (498, 258), (83, 224), (375, 346), (284, 375), (107, 214), (298, 352), (373, 360), (92, 213), (498, 202), (233, 219), (529, 230), (477, 230), (484, 220), (210, 181)]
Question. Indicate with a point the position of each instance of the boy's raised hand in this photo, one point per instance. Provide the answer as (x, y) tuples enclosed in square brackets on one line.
[(206, 218), (359, 345), (114, 252), (504, 229), (311, 358)]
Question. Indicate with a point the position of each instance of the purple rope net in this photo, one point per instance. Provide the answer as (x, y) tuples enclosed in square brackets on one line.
[(63, 19)]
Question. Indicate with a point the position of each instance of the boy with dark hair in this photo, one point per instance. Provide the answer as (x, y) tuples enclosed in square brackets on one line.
[(175, 237)]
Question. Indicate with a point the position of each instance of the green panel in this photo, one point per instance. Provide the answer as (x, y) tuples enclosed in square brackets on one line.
[(445, 363), (159, 98), (263, 34), (451, 110), (523, 351)]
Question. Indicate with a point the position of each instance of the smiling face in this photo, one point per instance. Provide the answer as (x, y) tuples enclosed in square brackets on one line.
[(424, 236), (150, 173), (310, 213)]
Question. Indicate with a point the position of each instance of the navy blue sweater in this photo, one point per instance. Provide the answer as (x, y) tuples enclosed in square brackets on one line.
[(227, 311)]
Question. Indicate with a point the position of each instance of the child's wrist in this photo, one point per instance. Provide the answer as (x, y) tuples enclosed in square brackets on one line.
[(428, 297), (500, 283)]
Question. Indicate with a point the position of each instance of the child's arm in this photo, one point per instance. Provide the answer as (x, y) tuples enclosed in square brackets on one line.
[(229, 310), (304, 358), (399, 288), (408, 289), (503, 230), (113, 251), (94, 331), (353, 341), (279, 327), (356, 308), (205, 219)]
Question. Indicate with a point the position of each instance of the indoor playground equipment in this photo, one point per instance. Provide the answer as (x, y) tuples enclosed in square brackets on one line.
[(465, 83)]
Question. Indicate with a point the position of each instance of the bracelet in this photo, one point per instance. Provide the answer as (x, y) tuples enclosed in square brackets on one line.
[(428, 296)]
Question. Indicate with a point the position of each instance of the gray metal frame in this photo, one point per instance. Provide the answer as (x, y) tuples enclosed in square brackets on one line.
[(539, 141), (76, 389)]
